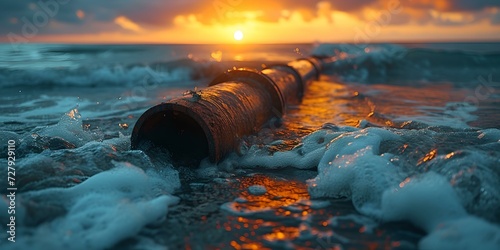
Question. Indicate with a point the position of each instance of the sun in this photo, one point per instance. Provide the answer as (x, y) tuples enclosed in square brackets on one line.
[(238, 35)]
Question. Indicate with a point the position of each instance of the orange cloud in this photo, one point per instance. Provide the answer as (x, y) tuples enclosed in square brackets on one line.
[(127, 24), (264, 21)]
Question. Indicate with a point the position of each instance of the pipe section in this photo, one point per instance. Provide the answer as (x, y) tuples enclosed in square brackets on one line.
[(212, 121)]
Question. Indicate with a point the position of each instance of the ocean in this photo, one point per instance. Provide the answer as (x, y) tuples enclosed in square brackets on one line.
[(396, 146)]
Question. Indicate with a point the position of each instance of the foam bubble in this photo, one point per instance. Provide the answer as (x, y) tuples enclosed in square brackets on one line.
[(257, 190), (465, 233), (430, 203), (425, 201), (353, 168), (306, 155), (70, 128), (373, 167), (101, 211)]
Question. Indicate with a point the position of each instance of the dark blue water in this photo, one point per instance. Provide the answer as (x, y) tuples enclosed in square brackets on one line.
[(399, 132)]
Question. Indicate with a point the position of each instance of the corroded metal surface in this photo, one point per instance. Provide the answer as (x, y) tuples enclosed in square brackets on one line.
[(237, 103), (209, 122)]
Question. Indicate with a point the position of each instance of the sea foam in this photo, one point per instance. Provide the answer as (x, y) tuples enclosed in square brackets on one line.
[(98, 213), (437, 193), (87, 192)]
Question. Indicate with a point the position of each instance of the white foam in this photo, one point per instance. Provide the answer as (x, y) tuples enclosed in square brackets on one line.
[(306, 155), (257, 190), (426, 201), (69, 128), (351, 164), (430, 203), (56, 105), (101, 211), (464, 233), (366, 59), (353, 168)]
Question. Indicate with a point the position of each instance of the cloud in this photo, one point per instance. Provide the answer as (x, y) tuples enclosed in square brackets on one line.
[(455, 5), (127, 24), (99, 16)]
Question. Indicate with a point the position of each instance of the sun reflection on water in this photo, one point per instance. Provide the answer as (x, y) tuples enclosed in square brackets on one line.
[(285, 217)]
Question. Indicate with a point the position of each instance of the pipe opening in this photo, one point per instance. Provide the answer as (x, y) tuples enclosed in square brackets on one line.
[(176, 132)]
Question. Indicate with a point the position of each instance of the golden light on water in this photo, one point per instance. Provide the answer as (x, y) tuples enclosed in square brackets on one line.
[(288, 192), (290, 204), (429, 156)]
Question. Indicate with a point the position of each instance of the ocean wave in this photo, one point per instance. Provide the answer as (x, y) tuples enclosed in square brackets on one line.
[(397, 64), (110, 75), (371, 63), (94, 49)]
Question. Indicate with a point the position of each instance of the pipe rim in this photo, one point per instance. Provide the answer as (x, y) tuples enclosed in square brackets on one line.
[(296, 74), (168, 107), (315, 63), (246, 76)]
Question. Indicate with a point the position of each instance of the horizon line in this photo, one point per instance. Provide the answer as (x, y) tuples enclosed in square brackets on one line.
[(264, 43)]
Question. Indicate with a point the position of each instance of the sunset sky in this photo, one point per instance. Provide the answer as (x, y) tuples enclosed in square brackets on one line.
[(260, 21)]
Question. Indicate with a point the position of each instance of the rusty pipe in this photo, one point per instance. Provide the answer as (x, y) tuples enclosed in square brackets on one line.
[(212, 121)]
